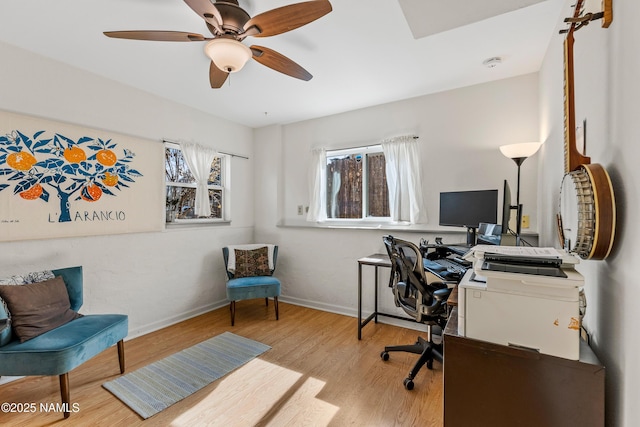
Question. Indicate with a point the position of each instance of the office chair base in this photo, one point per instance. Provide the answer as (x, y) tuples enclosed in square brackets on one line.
[(428, 352), (408, 383)]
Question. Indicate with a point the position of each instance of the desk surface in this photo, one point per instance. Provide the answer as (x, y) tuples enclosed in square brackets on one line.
[(381, 260)]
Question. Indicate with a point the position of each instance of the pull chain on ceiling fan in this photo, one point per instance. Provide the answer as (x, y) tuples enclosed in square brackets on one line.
[(230, 25)]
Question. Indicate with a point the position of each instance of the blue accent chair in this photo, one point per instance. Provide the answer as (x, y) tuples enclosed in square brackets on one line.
[(66, 347), (243, 288)]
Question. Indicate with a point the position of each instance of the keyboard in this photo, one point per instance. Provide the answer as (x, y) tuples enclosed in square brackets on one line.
[(432, 265), (450, 265), (459, 250)]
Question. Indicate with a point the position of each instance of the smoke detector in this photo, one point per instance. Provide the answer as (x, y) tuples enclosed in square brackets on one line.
[(492, 62)]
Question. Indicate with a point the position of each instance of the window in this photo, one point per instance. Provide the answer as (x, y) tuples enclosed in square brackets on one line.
[(356, 184), (381, 182), (181, 187)]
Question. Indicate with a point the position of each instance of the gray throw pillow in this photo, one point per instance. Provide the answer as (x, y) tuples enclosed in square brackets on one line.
[(37, 308)]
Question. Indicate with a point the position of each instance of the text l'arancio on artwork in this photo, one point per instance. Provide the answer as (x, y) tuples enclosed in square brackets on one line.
[(84, 170)]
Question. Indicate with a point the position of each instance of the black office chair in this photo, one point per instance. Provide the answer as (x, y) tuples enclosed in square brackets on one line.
[(424, 301)]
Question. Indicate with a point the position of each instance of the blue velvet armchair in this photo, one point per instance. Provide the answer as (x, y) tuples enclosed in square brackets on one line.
[(65, 347), (250, 279)]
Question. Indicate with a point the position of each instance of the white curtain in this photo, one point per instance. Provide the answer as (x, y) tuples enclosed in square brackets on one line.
[(402, 156), (336, 181), (199, 160), (317, 185)]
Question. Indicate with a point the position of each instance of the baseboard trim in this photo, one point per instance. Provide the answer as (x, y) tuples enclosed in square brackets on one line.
[(155, 326), (347, 311)]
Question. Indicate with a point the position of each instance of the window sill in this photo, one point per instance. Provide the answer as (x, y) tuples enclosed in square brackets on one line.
[(364, 225), (372, 225), (194, 223)]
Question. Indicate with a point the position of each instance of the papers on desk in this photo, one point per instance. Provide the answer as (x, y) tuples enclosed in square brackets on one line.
[(529, 252)]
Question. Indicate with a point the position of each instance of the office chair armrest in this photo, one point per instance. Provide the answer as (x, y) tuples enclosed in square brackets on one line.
[(441, 284), (442, 294)]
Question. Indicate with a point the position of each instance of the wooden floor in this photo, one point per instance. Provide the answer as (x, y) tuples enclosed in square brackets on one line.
[(317, 373)]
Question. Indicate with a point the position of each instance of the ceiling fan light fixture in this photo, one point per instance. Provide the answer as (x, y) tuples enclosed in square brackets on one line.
[(229, 55)]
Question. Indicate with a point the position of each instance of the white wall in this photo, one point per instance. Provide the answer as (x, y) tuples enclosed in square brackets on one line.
[(155, 278), (460, 132), (607, 65)]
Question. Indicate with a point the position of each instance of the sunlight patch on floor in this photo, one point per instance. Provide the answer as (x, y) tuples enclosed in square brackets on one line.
[(303, 409), (261, 393)]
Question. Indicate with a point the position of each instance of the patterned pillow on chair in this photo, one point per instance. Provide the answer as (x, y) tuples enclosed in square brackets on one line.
[(254, 262)]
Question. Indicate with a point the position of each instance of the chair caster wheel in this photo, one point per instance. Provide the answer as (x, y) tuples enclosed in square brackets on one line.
[(429, 364), (408, 383), (384, 356)]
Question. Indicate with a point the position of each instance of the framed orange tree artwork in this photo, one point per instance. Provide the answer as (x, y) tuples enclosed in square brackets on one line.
[(54, 177)]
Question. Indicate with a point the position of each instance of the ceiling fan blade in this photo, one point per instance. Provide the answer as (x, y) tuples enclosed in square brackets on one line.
[(162, 36), (287, 18), (217, 77), (277, 61), (207, 11)]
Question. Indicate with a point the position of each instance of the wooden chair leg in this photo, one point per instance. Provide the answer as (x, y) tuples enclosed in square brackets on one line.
[(275, 302), (266, 301), (232, 307), (121, 355), (64, 393)]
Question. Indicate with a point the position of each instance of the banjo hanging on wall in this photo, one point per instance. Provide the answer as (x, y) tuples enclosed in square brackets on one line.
[(587, 218)]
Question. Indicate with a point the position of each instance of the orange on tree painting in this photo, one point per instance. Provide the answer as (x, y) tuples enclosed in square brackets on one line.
[(74, 170)]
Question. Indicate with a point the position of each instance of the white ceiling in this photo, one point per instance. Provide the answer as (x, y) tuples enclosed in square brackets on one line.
[(361, 54)]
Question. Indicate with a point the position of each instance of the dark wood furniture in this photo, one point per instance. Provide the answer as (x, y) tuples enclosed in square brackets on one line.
[(487, 384)]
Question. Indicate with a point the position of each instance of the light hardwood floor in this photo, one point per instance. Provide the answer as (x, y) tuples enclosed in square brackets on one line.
[(317, 373)]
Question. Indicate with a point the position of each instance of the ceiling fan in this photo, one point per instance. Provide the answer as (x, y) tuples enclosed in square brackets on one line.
[(230, 25)]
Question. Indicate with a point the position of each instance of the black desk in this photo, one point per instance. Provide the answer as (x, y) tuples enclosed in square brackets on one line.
[(378, 260), (375, 260)]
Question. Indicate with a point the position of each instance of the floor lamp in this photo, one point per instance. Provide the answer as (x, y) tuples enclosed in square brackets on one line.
[(519, 153)]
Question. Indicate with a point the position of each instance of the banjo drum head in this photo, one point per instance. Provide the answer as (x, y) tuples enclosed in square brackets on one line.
[(577, 210)]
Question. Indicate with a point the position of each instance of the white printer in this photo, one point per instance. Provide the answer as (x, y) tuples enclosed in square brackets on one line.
[(540, 312)]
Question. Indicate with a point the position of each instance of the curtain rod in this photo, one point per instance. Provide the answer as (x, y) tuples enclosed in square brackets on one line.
[(221, 152), (361, 146)]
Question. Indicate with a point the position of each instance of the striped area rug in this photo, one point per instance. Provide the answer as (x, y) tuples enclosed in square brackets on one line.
[(159, 385)]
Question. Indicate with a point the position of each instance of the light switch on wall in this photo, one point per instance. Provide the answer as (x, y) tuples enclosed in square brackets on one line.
[(525, 221)]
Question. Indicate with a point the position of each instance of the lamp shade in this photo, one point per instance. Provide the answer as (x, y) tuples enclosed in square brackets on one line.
[(521, 150), (229, 55)]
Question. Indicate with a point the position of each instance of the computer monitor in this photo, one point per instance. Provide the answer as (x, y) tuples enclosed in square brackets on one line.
[(506, 207), (468, 209)]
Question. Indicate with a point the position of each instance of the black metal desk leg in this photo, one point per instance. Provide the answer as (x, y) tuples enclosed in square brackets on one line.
[(359, 301), (375, 284)]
